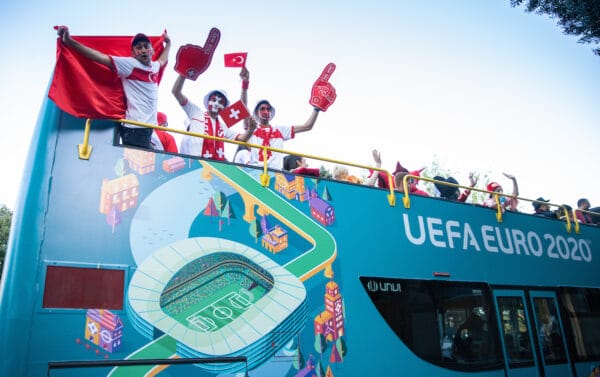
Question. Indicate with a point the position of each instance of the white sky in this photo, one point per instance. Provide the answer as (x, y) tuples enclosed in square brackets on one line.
[(477, 85)]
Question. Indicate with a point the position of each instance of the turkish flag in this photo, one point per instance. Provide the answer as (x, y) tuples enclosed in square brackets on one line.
[(86, 89), (236, 59), (191, 60), (234, 113)]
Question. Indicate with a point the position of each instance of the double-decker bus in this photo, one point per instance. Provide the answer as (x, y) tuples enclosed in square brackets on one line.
[(130, 262)]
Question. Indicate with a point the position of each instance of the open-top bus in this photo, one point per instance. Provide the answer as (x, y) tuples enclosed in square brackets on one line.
[(130, 255)]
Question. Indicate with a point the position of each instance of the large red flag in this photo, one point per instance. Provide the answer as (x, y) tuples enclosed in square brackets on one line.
[(86, 89)]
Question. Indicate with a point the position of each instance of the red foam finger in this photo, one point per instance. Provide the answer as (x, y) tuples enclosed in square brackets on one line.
[(327, 72), (212, 41)]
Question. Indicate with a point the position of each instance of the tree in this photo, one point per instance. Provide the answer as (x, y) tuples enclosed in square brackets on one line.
[(298, 362), (5, 221), (255, 229), (324, 172), (436, 168), (576, 17), (320, 344)]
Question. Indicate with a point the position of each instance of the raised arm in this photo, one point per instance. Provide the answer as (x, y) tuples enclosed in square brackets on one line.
[(164, 55), (372, 180), (308, 125), (515, 192), (249, 127), (245, 76), (177, 90), (90, 53)]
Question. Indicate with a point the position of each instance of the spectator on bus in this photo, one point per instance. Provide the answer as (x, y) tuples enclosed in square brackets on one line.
[(453, 193), (564, 211), (341, 173), (541, 208), (208, 122), (138, 75), (162, 140), (506, 203), (298, 165), (583, 217), (273, 136)]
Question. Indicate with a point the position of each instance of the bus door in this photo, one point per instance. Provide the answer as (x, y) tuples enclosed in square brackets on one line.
[(550, 334), (515, 333), (527, 350)]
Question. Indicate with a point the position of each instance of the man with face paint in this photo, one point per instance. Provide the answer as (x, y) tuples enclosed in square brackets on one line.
[(139, 75), (273, 136), (208, 123)]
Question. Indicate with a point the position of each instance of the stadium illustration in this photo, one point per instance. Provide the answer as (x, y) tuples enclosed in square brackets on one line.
[(216, 297)]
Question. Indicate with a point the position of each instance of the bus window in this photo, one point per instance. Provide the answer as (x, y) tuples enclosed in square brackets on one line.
[(582, 321), (446, 323), (515, 331), (551, 341)]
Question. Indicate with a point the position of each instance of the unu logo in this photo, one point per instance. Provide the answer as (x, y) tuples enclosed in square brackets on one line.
[(383, 286)]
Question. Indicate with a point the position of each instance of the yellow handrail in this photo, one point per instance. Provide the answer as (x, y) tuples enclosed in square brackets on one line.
[(85, 149), (264, 179), (497, 195)]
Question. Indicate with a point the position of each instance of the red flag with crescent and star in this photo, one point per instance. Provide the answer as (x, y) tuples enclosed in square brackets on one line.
[(236, 59), (86, 89), (234, 113)]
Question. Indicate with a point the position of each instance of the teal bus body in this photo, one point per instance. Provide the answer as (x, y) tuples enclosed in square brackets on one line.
[(140, 255)]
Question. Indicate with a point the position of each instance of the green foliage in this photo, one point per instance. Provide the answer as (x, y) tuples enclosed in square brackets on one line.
[(324, 172), (576, 17), (435, 168), (320, 343), (5, 221), (341, 346), (298, 362), (255, 230)]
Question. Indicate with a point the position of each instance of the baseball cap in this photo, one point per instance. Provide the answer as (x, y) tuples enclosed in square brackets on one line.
[(538, 203), (492, 186), (139, 37)]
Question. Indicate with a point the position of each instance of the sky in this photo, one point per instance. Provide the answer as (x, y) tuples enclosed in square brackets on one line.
[(471, 85)]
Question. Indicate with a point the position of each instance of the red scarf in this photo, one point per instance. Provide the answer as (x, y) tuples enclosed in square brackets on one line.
[(210, 147)]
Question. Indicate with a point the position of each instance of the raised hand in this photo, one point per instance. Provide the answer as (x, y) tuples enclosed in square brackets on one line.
[(323, 93), (192, 60)]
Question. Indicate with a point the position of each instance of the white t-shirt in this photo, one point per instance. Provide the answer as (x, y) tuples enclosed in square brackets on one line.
[(140, 84)]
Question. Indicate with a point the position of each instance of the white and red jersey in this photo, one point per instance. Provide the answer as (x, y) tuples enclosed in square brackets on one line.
[(202, 123), (140, 84), (272, 137)]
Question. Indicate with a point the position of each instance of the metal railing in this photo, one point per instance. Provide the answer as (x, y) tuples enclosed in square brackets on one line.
[(497, 196), (85, 152)]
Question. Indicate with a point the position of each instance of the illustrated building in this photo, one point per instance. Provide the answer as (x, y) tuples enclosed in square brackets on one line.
[(120, 194), (330, 322), (291, 186), (104, 329), (322, 211), (275, 240), (141, 162), (173, 164)]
